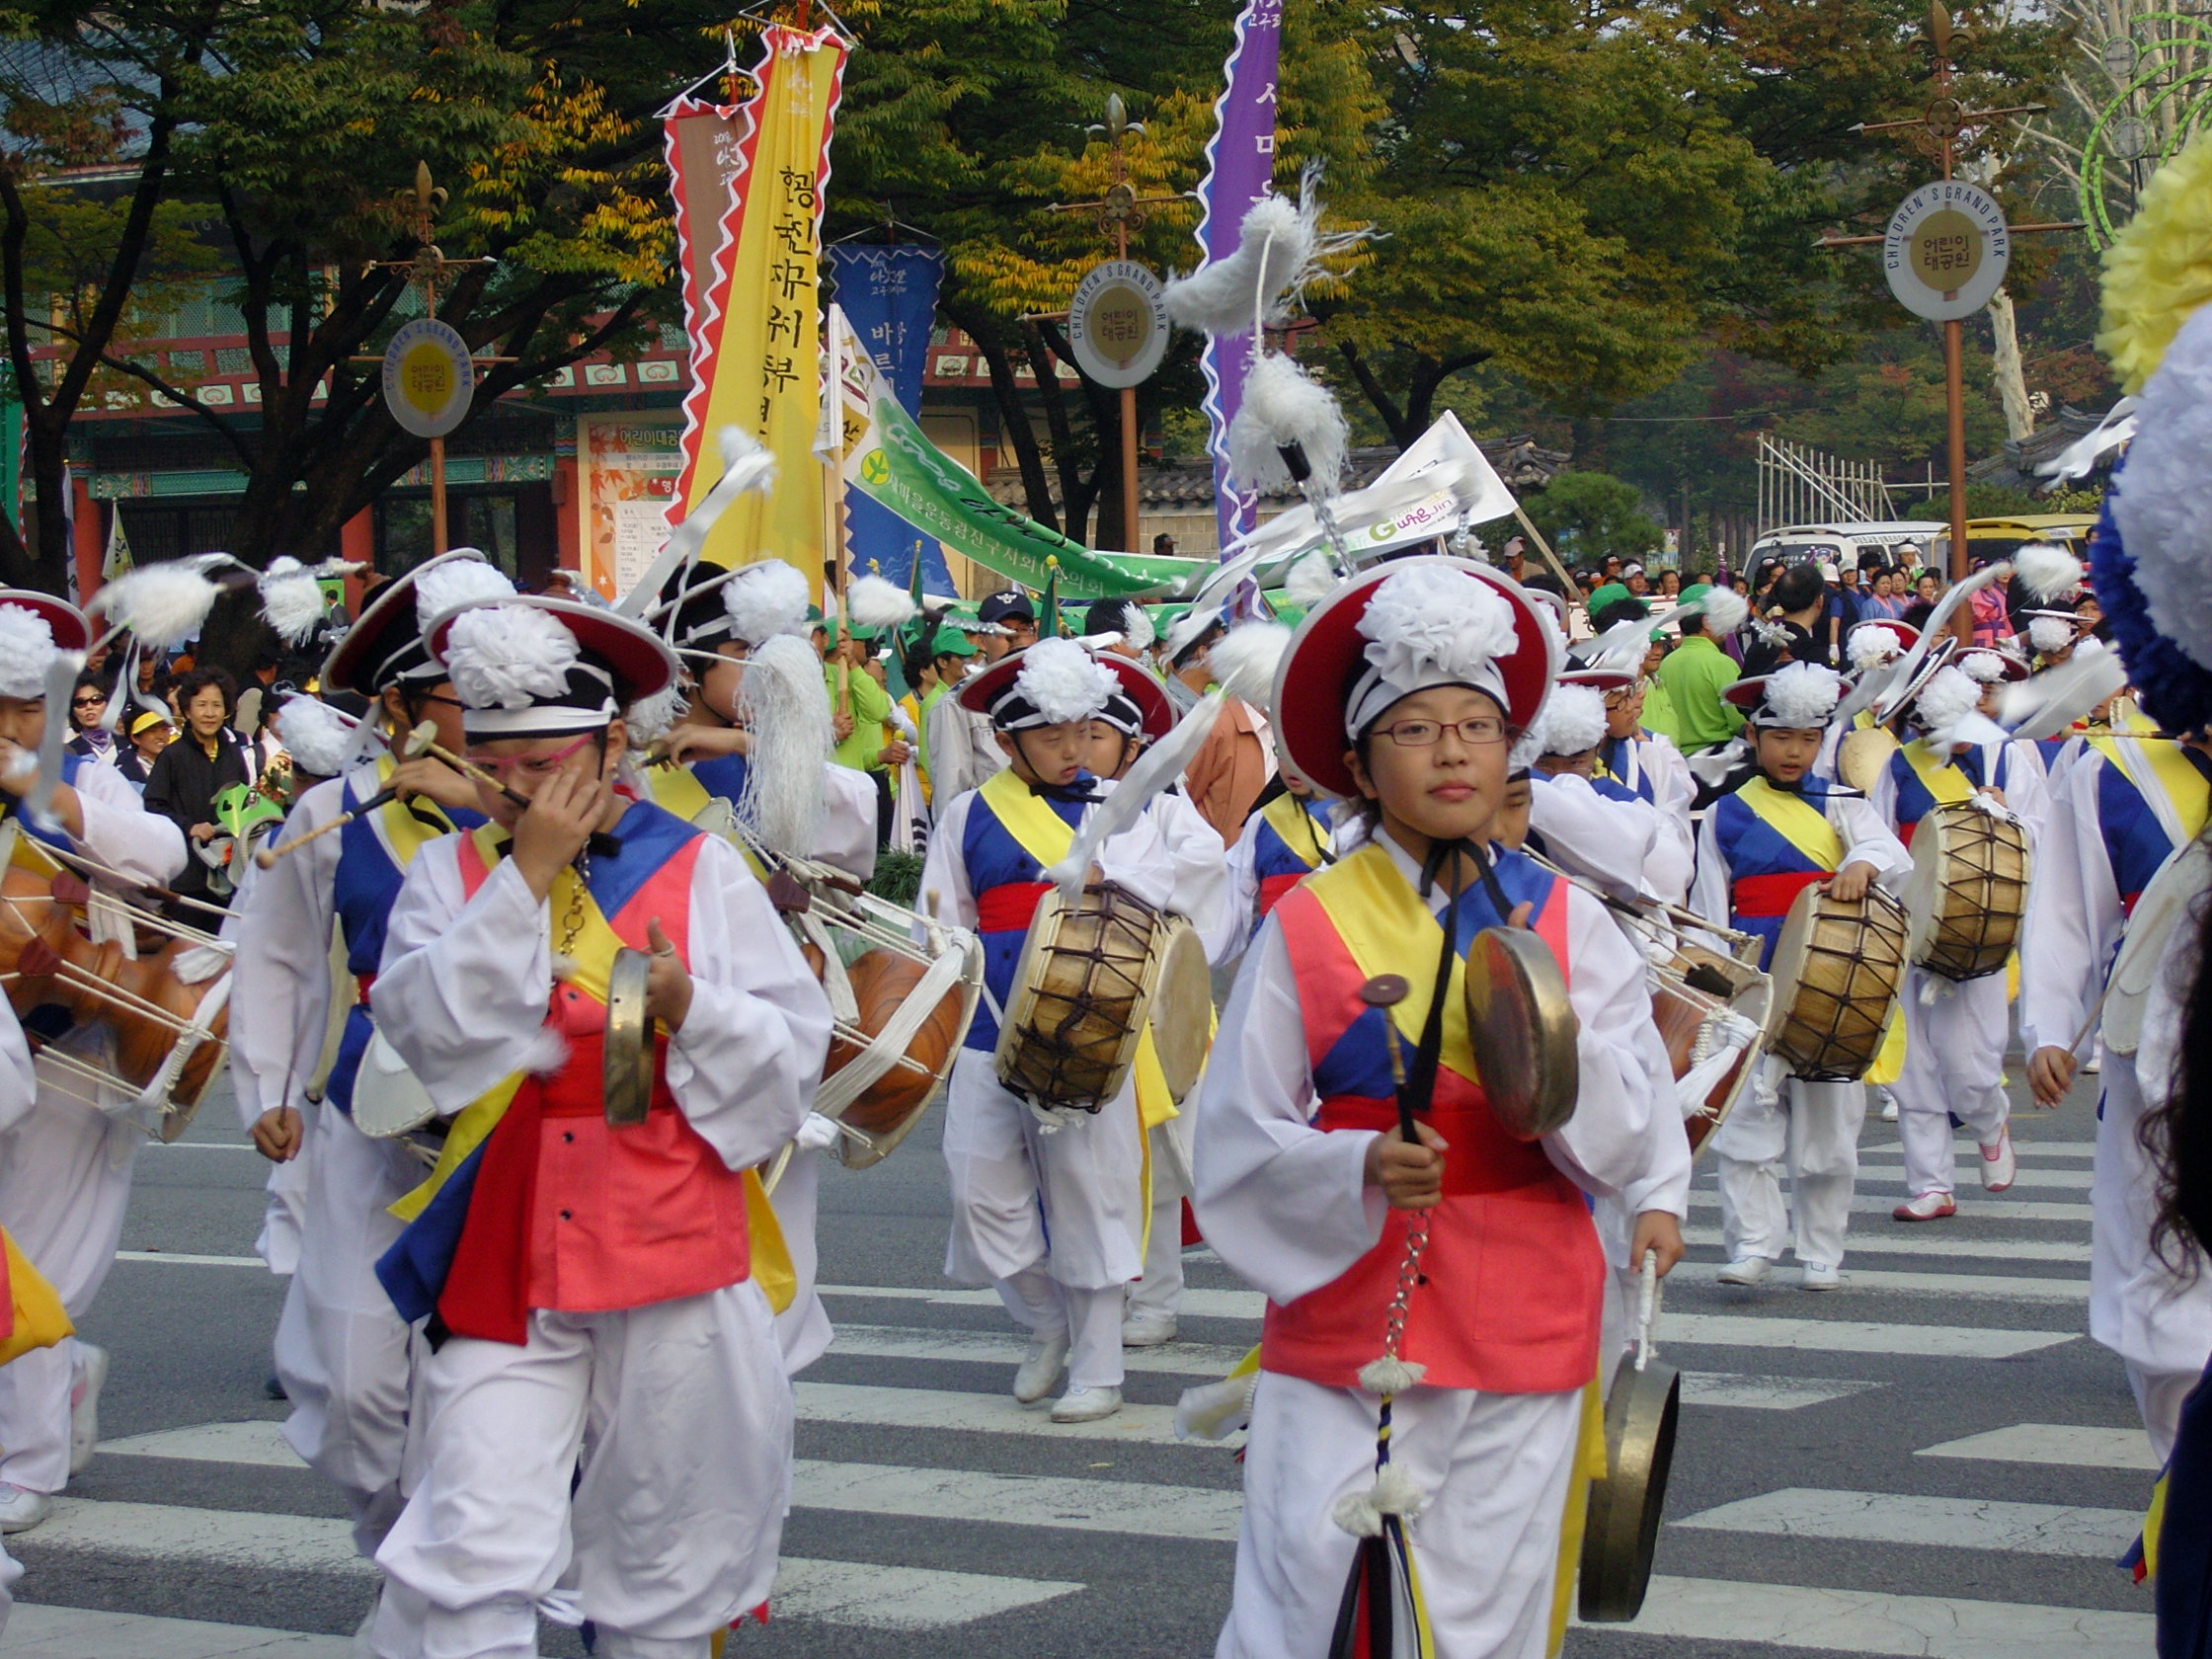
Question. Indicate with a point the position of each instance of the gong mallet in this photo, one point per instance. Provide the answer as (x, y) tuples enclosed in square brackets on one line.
[(416, 741), (426, 734), (1385, 992)]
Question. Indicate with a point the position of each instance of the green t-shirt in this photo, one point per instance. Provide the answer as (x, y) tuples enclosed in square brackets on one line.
[(1693, 678), (871, 707)]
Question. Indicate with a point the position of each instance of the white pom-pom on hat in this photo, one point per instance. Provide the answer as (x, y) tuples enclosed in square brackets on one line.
[(1799, 696), (1724, 610), (874, 603), (2046, 571), (509, 655), (1573, 719), (2049, 634), (318, 737), (451, 583), (765, 599), (1063, 682), (1870, 645), (1985, 667), (1430, 625), (26, 652), (1949, 695)]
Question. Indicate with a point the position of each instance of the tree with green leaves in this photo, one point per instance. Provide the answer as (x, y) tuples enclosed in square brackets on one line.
[(1591, 516)]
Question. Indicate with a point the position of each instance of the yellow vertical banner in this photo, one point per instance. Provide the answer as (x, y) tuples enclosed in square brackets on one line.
[(756, 352)]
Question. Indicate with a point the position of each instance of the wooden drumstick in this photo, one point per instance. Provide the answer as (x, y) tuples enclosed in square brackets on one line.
[(410, 749)]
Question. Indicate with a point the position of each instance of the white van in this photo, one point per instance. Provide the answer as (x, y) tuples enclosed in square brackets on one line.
[(1845, 543)]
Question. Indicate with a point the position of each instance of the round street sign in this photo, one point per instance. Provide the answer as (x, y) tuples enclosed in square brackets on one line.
[(1118, 323), (1945, 251), (427, 377)]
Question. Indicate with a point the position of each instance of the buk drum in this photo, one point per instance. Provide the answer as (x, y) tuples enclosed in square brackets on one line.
[(1969, 889), (1182, 1011), (74, 957), (1082, 991), (1836, 969), (1711, 1012)]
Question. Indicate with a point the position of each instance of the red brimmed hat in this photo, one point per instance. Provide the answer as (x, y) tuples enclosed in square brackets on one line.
[(385, 645), (1600, 679), (518, 677), (71, 629), (1049, 683), (1442, 626), (2010, 665), (1156, 715)]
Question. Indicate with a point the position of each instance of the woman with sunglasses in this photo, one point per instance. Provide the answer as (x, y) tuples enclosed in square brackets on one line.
[(88, 707)]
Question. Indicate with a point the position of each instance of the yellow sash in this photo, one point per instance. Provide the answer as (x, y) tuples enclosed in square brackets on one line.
[(1386, 926), (1286, 815), (38, 1318), (2183, 786), (594, 954), (401, 826), (677, 789), (1803, 826), (1945, 782), (1042, 833)]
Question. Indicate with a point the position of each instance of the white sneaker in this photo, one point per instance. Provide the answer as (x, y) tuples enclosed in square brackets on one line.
[(1147, 1330), (1999, 1165), (1889, 1105), (84, 1407), (1745, 1270), (1040, 1368), (1819, 1276), (1086, 1405), (20, 1511)]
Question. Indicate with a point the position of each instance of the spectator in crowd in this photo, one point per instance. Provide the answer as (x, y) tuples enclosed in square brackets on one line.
[(1693, 678), (1670, 584), (187, 774), (88, 706), (150, 734)]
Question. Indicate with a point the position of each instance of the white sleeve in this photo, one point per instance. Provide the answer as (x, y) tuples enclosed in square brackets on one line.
[(18, 1081), (1605, 1144), (1232, 926), (1284, 1205), (847, 835), (1868, 840), (1883, 798), (2158, 1054), (1663, 1182), (2073, 916), (2025, 790), (120, 831), (1599, 838), (1671, 788), (1710, 892), (745, 1063), (1201, 863), (279, 978)]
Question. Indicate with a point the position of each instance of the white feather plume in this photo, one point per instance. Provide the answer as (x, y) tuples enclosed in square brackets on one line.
[(650, 719), (1949, 695), (1274, 244), (1283, 405), (508, 655), (2049, 634), (874, 603), (2050, 702), (61, 674), (746, 465), (1138, 632), (1244, 660), (162, 605), (1933, 632), (1063, 682), (2046, 571), (1431, 618), (783, 702), (457, 582), (1310, 580), (292, 600), (770, 598), (1156, 768), (1803, 695), (1573, 719), (27, 651), (320, 740), (1724, 611), (1870, 645)]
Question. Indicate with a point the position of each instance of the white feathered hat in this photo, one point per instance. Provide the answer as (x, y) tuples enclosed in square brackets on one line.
[(532, 666)]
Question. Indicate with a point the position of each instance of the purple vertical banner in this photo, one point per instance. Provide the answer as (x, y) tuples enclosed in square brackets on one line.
[(890, 296), (1240, 168)]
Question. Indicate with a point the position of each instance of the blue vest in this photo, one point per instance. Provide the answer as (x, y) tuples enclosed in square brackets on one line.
[(2135, 842), (1751, 846), (994, 858), (721, 774), (1624, 761)]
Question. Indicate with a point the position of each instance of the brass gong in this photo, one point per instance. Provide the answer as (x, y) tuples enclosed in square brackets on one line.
[(628, 1058), (1522, 1031), (1620, 1535)]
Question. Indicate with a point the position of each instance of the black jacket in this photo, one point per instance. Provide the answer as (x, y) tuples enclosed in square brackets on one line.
[(183, 786)]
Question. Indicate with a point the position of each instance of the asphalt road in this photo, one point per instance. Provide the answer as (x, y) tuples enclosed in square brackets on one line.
[(1821, 1502)]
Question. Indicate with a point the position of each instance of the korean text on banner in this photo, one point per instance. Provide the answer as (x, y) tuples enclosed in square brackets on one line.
[(889, 294), (1240, 168), (758, 366), (705, 144)]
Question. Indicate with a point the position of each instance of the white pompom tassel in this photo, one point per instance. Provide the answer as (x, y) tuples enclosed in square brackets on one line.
[(1390, 1375)]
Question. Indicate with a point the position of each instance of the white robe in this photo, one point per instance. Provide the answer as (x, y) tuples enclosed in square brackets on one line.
[(65, 1166), (677, 1520), (1286, 1206)]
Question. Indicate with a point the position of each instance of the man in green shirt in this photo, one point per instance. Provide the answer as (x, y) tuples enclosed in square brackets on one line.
[(1693, 678), (858, 703)]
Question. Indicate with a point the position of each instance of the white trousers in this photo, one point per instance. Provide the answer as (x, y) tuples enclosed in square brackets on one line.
[(2139, 1308), (1159, 1293), (341, 1353), (2159, 1396), (284, 1218), (1496, 1468), (1812, 1130), (1954, 1057), (11, 1569), (681, 1416), (1017, 1185), (802, 1330), (64, 1185)]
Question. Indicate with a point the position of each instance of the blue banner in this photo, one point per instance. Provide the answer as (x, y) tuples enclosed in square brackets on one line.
[(890, 296)]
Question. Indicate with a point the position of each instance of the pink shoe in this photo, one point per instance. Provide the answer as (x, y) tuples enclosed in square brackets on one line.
[(1928, 1207), (1999, 1165)]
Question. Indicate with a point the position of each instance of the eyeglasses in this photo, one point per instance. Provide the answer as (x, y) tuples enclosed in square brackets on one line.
[(533, 766), (1426, 734)]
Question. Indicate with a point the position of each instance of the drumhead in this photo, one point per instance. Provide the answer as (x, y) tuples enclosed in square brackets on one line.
[(1924, 892), (1788, 965), (1861, 755), (1182, 1011)]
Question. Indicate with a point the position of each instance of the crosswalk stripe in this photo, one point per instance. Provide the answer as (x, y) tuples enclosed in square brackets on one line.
[(1860, 1622), (2023, 1528), (1197, 1304), (2058, 1445), (942, 1408), (1936, 1240), (1883, 1167), (1847, 1336), (1972, 1202), (1191, 1359), (57, 1633), (836, 1592), (180, 1258), (254, 1443), (1135, 1508), (1968, 1285)]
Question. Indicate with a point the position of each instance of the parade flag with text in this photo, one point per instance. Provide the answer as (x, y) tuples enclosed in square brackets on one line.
[(1239, 170), (756, 352)]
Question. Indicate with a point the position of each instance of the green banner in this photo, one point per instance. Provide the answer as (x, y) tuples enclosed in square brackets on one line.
[(897, 466), (10, 463)]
